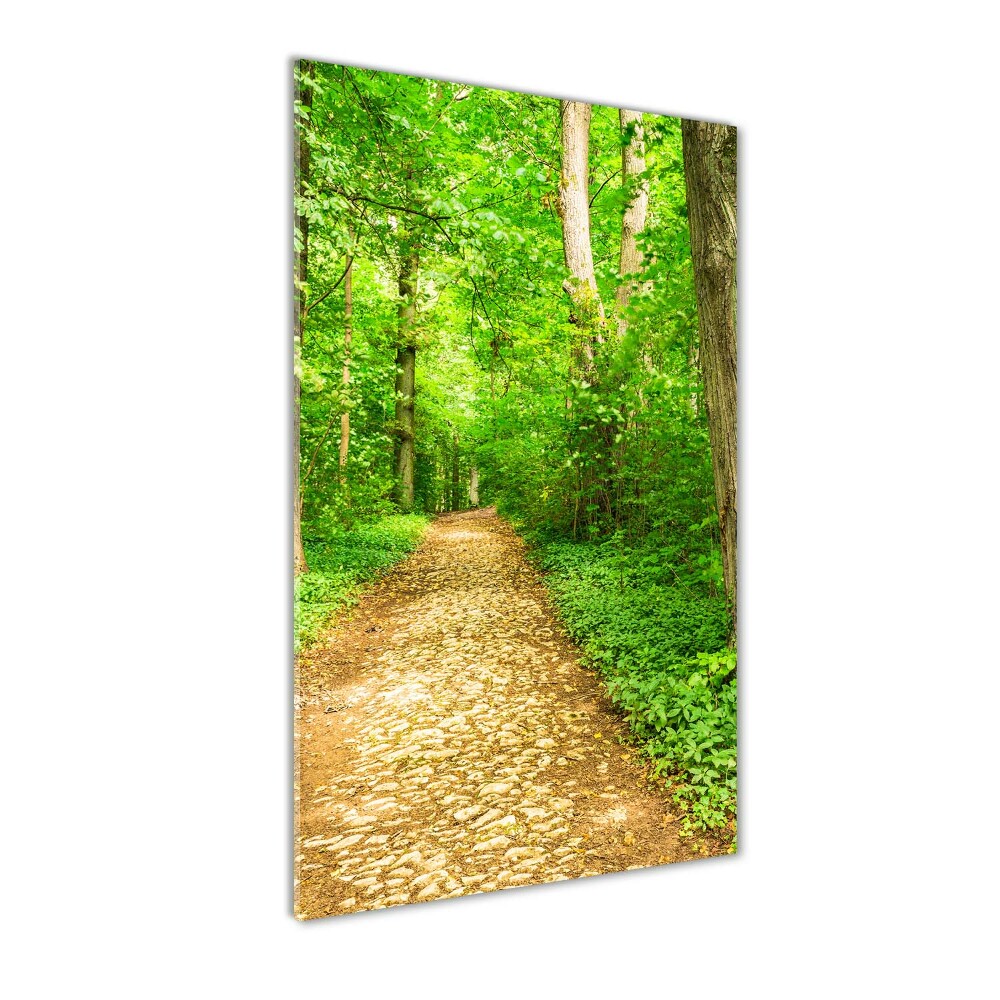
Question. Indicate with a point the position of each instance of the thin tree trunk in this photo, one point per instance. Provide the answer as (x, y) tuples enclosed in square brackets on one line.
[(304, 96), (634, 216), (694, 360), (345, 417), (456, 495), (473, 487), (710, 173), (406, 361), (630, 263), (587, 310)]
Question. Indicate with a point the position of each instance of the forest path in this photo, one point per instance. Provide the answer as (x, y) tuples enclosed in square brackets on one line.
[(450, 742)]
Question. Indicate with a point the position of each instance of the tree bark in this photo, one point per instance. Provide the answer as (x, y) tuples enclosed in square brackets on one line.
[(586, 307), (456, 501), (473, 487), (406, 362), (634, 216), (587, 310), (345, 417), (710, 174), (304, 96)]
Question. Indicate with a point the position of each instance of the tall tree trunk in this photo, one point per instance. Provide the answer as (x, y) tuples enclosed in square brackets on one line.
[(710, 173), (473, 487), (303, 94), (587, 310), (586, 307), (406, 363), (345, 417), (456, 495), (634, 216)]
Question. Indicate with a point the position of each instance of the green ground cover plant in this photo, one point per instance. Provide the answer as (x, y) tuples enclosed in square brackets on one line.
[(343, 559), (660, 646)]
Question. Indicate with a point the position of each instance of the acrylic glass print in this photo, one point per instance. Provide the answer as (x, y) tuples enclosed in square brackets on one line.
[(515, 489)]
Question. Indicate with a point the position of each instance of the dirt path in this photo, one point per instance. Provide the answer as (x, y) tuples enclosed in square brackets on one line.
[(449, 741)]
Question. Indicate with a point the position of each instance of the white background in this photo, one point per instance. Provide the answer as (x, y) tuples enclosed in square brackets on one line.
[(145, 375)]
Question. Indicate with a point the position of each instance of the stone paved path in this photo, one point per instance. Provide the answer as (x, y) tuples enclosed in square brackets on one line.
[(450, 742)]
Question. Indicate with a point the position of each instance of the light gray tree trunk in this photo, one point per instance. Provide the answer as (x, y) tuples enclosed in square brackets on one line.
[(710, 173), (456, 493), (586, 307), (473, 487), (634, 216), (587, 310), (406, 364)]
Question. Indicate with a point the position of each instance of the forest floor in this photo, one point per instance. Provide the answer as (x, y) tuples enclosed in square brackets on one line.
[(449, 741)]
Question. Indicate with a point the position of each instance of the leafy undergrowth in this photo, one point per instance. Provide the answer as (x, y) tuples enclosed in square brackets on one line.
[(342, 561), (660, 646)]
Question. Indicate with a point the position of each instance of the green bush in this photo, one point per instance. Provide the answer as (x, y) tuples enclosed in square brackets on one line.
[(341, 561), (658, 638)]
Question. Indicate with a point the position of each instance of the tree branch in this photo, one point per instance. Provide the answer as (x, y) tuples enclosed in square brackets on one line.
[(601, 188), (330, 290), (352, 198), (312, 461)]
